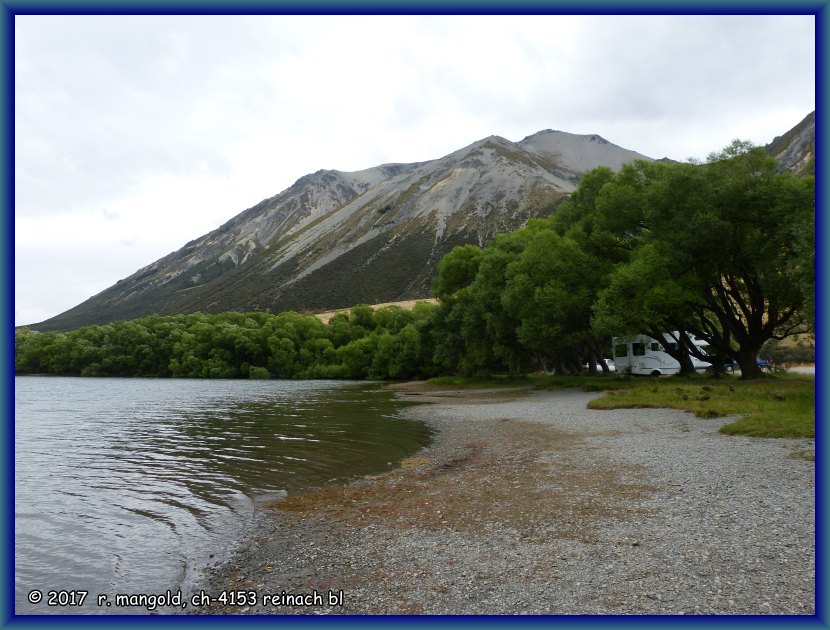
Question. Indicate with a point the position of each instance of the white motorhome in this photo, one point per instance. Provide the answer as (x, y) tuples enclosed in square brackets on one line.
[(643, 355)]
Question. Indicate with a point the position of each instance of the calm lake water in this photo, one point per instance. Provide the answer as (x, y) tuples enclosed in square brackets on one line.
[(134, 485)]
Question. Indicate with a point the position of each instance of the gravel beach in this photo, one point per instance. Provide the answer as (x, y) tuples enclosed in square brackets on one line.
[(527, 502)]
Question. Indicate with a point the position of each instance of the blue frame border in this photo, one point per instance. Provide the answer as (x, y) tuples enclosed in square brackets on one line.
[(9, 8)]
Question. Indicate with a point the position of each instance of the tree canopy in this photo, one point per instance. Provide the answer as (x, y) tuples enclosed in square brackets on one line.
[(363, 343), (718, 250), (722, 251)]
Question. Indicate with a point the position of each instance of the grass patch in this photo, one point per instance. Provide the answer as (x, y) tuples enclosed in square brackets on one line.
[(807, 455), (780, 405), (769, 407), (581, 381)]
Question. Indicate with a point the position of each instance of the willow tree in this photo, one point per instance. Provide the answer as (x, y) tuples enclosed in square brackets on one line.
[(551, 287), (715, 249)]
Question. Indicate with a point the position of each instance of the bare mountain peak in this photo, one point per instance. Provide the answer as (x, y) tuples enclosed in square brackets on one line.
[(579, 153), (543, 132), (595, 138), (477, 146), (564, 134), (494, 140)]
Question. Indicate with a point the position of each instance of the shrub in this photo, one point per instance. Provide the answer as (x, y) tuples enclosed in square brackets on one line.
[(259, 373)]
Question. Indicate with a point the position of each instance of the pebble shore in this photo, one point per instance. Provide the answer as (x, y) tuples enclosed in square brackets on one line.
[(529, 503)]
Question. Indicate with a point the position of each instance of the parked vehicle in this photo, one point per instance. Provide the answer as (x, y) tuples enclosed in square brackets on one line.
[(608, 362), (764, 364), (729, 365), (645, 356)]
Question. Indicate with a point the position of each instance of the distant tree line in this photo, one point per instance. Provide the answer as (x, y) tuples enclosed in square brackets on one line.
[(361, 343), (722, 250)]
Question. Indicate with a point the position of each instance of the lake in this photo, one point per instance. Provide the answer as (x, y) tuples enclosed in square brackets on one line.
[(135, 485)]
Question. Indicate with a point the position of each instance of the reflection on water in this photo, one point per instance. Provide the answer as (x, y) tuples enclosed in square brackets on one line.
[(131, 485)]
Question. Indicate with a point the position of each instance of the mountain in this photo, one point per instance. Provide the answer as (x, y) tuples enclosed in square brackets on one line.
[(335, 239), (796, 149)]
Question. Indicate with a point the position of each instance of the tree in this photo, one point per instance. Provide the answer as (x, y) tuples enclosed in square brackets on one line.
[(550, 290), (457, 270), (642, 297), (802, 266), (356, 357), (716, 243)]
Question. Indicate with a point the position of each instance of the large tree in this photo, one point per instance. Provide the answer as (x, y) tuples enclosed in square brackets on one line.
[(551, 287), (716, 249)]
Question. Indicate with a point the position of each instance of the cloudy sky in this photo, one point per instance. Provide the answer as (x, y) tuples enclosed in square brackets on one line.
[(136, 134)]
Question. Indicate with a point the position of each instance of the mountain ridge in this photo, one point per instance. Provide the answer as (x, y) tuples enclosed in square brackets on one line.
[(336, 238)]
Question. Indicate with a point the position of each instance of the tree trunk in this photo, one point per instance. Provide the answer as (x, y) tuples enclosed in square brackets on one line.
[(686, 366), (718, 361), (541, 361), (747, 359), (592, 365), (681, 355)]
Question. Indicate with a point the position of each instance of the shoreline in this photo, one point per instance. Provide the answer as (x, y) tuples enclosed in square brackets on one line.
[(526, 502)]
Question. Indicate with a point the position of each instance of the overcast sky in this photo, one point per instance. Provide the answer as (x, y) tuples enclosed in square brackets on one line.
[(134, 135)]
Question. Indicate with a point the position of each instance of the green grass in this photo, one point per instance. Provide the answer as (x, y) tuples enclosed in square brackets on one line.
[(780, 405), (804, 454), (775, 406), (582, 381)]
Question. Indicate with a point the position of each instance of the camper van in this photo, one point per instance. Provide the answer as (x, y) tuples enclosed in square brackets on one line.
[(642, 355)]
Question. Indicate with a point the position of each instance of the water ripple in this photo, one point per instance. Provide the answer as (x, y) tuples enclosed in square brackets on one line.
[(131, 485)]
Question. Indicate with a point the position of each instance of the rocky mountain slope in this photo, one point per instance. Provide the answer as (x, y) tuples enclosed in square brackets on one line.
[(335, 239), (796, 149)]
